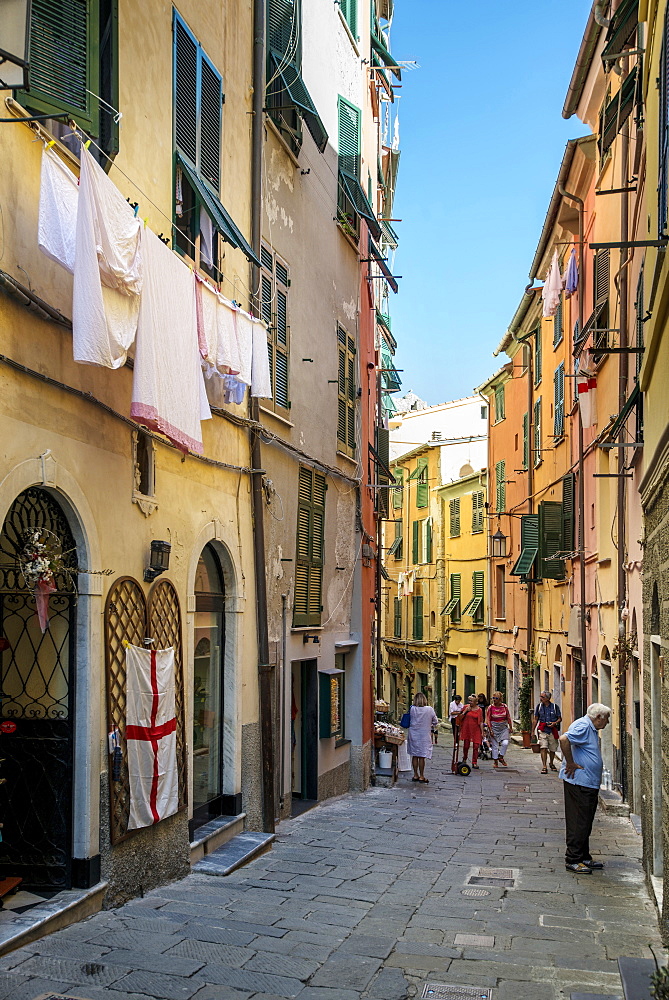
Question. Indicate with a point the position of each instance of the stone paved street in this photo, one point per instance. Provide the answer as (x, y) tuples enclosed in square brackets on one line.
[(363, 897)]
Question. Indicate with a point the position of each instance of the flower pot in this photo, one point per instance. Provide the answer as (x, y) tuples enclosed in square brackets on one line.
[(527, 739)]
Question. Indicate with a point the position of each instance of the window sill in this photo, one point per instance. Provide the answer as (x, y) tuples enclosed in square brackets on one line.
[(341, 742), (349, 239), (499, 421), (352, 39), (284, 145), (277, 416)]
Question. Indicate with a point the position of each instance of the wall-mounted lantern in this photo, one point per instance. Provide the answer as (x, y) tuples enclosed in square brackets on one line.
[(498, 545), (160, 560)]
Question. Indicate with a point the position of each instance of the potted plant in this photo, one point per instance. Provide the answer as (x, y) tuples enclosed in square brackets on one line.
[(525, 709)]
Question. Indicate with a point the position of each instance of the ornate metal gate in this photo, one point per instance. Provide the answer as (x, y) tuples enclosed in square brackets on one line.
[(37, 676)]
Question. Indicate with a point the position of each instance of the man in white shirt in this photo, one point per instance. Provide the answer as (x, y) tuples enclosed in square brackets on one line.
[(454, 710)]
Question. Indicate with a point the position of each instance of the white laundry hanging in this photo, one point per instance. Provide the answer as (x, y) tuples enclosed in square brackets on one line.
[(58, 204)]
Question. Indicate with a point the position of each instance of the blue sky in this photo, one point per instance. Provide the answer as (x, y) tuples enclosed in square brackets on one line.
[(482, 137)]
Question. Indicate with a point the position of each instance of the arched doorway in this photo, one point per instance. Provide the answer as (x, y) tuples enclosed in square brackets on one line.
[(208, 688), (37, 676)]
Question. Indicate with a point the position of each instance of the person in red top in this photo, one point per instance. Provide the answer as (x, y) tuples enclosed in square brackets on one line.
[(499, 724), (470, 721)]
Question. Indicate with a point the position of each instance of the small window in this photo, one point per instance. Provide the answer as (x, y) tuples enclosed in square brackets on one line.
[(478, 511), (499, 403), (484, 413), (500, 592), (454, 516), (144, 471)]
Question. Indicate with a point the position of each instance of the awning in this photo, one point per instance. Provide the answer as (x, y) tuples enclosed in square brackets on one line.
[(333, 671), (355, 194), (299, 95), (385, 56), (623, 25), (385, 270), (220, 218), (619, 422)]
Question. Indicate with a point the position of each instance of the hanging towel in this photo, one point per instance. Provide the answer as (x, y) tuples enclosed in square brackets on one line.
[(244, 330), (206, 301), (552, 287), (107, 270), (261, 380), (227, 350), (167, 385), (58, 202), (571, 276), (206, 239), (150, 734), (586, 387)]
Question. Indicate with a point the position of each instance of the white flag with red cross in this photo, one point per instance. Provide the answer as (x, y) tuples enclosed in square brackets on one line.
[(151, 736)]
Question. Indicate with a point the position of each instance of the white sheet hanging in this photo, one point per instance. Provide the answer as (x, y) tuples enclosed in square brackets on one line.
[(552, 287), (58, 204), (107, 270), (167, 391), (261, 380)]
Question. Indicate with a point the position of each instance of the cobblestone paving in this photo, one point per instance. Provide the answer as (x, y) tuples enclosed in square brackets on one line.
[(363, 897)]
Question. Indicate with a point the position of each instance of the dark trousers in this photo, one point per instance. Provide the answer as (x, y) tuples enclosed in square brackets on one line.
[(580, 806)]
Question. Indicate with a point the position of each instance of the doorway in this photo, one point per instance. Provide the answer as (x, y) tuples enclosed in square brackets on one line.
[(304, 736), (606, 735), (452, 681), (656, 760), (37, 673), (500, 680), (438, 695), (208, 689)]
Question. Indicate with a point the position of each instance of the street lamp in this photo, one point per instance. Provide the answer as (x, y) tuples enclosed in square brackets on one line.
[(498, 545), (159, 561), (14, 43)]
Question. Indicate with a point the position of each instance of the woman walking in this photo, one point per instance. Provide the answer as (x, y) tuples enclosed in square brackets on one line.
[(499, 724), (419, 736), (471, 730)]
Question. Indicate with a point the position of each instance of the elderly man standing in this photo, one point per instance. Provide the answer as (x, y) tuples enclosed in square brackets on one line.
[(582, 774), (547, 717)]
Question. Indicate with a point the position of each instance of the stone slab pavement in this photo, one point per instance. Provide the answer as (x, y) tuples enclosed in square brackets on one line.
[(369, 896)]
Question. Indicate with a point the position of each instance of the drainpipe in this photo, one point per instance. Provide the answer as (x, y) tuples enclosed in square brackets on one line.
[(264, 666), (599, 16), (623, 371), (379, 552), (577, 686)]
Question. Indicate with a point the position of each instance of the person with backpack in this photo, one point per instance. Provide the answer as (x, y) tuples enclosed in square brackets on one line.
[(547, 719)]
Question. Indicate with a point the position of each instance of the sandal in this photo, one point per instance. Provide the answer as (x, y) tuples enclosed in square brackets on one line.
[(544, 770), (552, 767), (424, 781), (415, 779)]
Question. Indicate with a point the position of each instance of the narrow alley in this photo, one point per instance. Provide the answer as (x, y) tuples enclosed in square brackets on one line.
[(376, 895)]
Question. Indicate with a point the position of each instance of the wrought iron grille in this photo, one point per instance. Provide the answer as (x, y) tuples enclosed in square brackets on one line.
[(37, 672), (129, 618)]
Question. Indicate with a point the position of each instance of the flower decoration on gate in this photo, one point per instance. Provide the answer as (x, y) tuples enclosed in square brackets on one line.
[(42, 559)]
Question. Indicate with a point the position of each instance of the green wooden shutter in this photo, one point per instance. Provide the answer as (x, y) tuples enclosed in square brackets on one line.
[(478, 583), (398, 542), (428, 540), (423, 487), (455, 597), (550, 540), (526, 440), (500, 486), (558, 401), (568, 497), (537, 356), (185, 91), (478, 507), (537, 431), (349, 137), (307, 606), (283, 34), (602, 274), (397, 618), (398, 492), (529, 546), (64, 59), (558, 323), (416, 539), (454, 516), (211, 105), (418, 617), (349, 9)]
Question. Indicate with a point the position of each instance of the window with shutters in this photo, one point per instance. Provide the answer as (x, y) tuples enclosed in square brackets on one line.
[(537, 432), (287, 100), (499, 403), (476, 606), (421, 550), (558, 401), (558, 323), (352, 202), (349, 10), (478, 511), (397, 617), (500, 592), (307, 606), (529, 547), (500, 486), (526, 440), (537, 355), (417, 609), (550, 540), (398, 491), (198, 103), (454, 516), (73, 63), (422, 486), (274, 285), (397, 546), (663, 133), (346, 392), (601, 282), (453, 606), (568, 508)]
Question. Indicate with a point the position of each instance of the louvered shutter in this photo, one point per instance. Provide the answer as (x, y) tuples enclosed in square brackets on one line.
[(397, 622), (349, 138), (663, 129), (558, 401), (398, 542), (500, 486), (477, 609), (602, 274), (537, 431), (211, 101), (186, 92), (415, 553), (398, 492), (342, 407), (282, 27), (455, 597), (349, 9), (454, 516), (538, 352), (418, 617), (526, 440), (307, 606), (422, 488), (550, 540), (64, 59), (529, 546), (568, 497), (478, 506), (558, 324), (274, 283), (428, 540)]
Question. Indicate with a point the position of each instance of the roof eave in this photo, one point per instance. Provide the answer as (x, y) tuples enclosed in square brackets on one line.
[(582, 65)]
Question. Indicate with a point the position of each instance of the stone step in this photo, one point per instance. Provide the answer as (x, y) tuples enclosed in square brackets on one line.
[(635, 974), (212, 835), (236, 853), (63, 909)]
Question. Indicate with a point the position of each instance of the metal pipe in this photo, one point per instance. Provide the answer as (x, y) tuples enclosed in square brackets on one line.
[(264, 667), (283, 734), (599, 17), (623, 371), (577, 683)]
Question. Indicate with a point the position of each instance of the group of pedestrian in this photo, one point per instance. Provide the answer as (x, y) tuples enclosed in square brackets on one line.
[(581, 770)]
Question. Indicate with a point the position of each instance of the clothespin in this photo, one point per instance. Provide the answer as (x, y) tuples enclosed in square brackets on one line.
[(87, 144), (145, 221), (136, 209), (125, 643), (51, 143)]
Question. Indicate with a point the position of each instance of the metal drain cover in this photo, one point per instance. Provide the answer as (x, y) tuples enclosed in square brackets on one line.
[(496, 872), (443, 991), (499, 882), (476, 893), (514, 786)]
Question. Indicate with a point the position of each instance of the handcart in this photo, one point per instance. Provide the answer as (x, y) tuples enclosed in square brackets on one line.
[(459, 766)]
